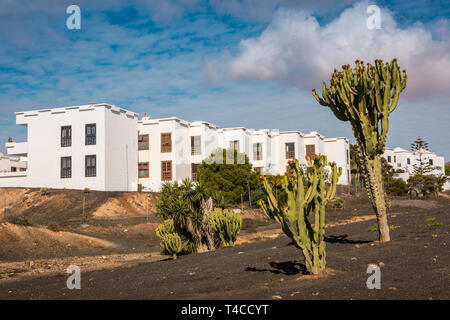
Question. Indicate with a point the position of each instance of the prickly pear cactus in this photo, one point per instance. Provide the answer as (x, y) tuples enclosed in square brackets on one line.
[(307, 196), (365, 96)]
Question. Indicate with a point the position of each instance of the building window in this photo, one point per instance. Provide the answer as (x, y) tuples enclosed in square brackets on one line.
[(91, 134), (66, 136), (258, 169), (395, 159), (430, 162), (399, 165), (66, 167), (13, 169), (166, 170), (389, 158), (196, 146), (194, 170), (143, 168), (311, 150), (166, 142), (348, 158), (90, 166), (23, 169), (408, 161), (290, 150), (143, 142), (257, 151), (234, 145)]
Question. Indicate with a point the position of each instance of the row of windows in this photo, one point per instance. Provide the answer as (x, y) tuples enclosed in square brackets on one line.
[(166, 170), (90, 166), (408, 160), (90, 135), (166, 146)]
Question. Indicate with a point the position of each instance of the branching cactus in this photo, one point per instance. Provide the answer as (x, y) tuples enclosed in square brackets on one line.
[(365, 96), (226, 225), (170, 240), (307, 198)]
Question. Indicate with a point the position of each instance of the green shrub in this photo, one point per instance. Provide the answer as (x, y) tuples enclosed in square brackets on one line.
[(232, 177), (397, 187), (43, 191), (19, 220), (427, 184), (339, 203), (140, 187), (226, 225)]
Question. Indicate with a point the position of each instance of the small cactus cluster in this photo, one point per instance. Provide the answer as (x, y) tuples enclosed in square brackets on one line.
[(365, 96), (307, 197), (226, 225), (170, 240)]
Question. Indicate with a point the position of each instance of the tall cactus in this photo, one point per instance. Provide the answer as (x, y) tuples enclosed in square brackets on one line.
[(365, 96), (307, 195)]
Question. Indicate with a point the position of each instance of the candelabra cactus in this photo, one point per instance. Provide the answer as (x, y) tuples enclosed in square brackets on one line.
[(170, 240), (365, 96), (226, 225), (307, 195)]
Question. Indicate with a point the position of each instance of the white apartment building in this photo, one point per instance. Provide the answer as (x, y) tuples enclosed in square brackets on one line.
[(403, 159), (90, 146), (103, 147), (171, 149)]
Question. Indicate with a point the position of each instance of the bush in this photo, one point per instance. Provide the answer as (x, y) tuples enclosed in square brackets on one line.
[(339, 203), (189, 212), (140, 187), (43, 191), (397, 187), (216, 173), (426, 184), (19, 220)]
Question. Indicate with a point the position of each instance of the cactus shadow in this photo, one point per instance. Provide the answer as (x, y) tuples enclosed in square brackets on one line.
[(287, 268), (343, 238)]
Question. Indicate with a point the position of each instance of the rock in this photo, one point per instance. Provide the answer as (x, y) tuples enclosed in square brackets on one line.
[(104, 257), (277, 297), (237, 210), (356, 246), (31, 264), (353, 259), (381, 264)]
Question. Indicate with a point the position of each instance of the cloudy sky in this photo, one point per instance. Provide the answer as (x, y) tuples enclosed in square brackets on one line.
[(247, 63)]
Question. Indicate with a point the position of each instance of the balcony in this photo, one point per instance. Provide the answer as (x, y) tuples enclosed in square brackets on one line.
[(17, 148)]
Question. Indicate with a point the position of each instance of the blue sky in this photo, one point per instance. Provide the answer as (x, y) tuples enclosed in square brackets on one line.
[(233, 63)]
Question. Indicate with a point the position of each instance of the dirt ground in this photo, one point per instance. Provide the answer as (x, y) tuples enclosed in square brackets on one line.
[(122, 261)]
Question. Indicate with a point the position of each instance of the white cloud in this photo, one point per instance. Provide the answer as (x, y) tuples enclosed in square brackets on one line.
[(296, 50)]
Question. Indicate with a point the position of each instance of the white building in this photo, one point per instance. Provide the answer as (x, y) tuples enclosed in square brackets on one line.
[(91, 146), (102, 147), (9, 166), (171, 149), (405, 160)]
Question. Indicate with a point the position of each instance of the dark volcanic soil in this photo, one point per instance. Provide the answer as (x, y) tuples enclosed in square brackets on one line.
[(414, 265)]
